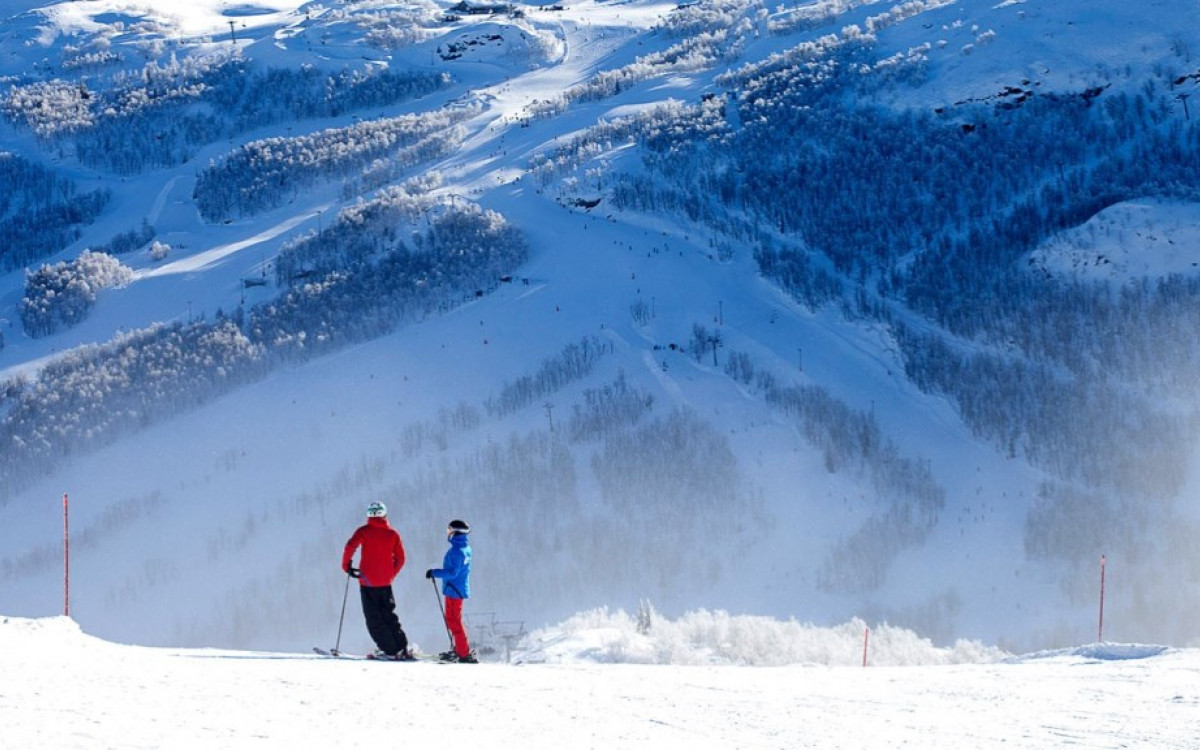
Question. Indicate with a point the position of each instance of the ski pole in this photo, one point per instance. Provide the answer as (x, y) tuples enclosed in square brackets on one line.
[(442, 609), (337, 646)]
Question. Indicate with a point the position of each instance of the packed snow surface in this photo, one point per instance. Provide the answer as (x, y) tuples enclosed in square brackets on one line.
[(60, 688)]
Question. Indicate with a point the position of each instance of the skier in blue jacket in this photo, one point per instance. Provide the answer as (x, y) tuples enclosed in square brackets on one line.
[(456, 588)]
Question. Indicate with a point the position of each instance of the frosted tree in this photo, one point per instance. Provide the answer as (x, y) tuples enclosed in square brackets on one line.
[(63, 294)]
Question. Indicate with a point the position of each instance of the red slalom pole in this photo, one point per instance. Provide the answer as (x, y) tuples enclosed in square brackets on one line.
[(66, 559), (1100, 634), (866, 638)]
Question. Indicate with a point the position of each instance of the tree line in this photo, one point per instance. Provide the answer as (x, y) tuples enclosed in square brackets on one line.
[(92, 395), (41, 211), (161, 114)]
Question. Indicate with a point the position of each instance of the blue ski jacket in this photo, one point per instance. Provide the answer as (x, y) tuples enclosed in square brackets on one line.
[(456, 568)]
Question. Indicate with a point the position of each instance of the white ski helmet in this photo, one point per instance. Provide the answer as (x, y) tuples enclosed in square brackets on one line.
[(377, 510)]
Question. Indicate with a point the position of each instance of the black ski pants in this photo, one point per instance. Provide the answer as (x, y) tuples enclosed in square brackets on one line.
[(379, 610)]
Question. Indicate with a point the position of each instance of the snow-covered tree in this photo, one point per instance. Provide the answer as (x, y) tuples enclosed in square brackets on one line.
[(63, 294)]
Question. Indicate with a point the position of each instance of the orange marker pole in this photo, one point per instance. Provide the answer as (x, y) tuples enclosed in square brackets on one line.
[(66, 559)]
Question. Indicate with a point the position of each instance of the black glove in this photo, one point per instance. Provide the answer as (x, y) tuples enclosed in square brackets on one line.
[(429, 573), (353, 572)]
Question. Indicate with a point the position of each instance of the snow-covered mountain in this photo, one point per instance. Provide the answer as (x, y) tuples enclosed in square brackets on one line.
[(832, 310)]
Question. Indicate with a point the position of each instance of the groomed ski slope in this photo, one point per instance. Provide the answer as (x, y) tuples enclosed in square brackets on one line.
[(60, 688)]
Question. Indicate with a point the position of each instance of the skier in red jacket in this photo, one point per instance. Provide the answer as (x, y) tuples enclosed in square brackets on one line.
[(379, 563)]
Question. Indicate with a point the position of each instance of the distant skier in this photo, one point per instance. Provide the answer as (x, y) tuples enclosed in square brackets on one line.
[(456, 587), (379, 563)]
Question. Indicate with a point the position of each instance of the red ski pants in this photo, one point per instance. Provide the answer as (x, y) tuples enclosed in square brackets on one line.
[(454, 623)]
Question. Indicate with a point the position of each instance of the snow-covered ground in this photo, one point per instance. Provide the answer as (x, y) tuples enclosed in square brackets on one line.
[(60, 688), (1144, 240)]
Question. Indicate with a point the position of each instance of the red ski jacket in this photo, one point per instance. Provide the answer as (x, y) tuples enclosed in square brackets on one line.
[(382, 553)]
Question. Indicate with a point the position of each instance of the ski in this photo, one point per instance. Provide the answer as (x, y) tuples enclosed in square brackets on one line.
[(369, 657), (422, 657), (448, 657), (414, 657)]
